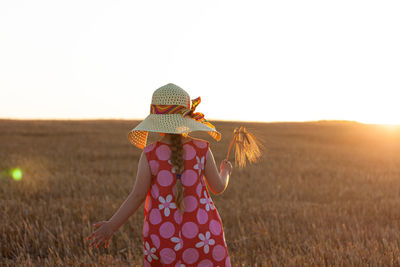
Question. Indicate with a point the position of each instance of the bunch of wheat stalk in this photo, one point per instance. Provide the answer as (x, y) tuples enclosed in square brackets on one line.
[(247, 146)]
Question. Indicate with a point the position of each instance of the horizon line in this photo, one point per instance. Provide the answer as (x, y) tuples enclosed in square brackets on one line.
[(216, 120)]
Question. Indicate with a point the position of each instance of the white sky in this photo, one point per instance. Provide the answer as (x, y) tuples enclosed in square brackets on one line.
[(248, 60)]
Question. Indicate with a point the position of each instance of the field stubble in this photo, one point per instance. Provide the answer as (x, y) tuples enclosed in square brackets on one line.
[(324, 193)]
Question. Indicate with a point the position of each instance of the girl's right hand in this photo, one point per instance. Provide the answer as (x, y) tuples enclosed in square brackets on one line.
[(226, 166), (103, 234)]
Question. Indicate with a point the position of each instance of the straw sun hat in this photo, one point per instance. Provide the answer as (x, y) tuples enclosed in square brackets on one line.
[(171, 111)]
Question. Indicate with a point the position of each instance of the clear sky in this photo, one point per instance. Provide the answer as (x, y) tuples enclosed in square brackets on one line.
[(248, 60)]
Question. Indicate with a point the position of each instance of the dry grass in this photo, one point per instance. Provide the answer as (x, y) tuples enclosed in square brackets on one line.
[(325, 194)]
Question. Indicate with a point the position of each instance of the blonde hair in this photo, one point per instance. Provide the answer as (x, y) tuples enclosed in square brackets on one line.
[(178, 163)]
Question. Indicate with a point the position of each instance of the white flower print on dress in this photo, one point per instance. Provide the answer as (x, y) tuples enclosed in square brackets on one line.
[(207, 201), (166, 204), (149, 252), (205, 241), (200, 164), (173, 167), (178, 240)]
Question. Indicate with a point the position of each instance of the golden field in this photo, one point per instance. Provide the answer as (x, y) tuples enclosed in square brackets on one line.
[(323, 194)]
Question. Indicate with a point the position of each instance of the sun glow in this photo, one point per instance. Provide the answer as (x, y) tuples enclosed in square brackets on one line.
[(389, 123), (382, 119)]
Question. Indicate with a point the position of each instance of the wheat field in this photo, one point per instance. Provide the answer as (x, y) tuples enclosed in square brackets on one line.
[(324, 194)]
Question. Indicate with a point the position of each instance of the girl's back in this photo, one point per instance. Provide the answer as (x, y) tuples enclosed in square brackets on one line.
[(194, 237)]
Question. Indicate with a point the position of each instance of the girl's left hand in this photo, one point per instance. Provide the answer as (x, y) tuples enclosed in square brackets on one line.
[(103, 234), (226, 165)]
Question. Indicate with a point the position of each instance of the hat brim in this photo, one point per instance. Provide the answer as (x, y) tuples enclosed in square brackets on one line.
[(167, 123)]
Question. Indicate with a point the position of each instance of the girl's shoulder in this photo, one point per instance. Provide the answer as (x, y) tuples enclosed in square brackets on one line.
[(150, 147), (200, 143)]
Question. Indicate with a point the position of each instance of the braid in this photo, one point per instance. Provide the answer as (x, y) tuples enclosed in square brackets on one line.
[(177, 161)]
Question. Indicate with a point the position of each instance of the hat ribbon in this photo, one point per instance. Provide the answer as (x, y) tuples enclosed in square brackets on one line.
[(184, 111)]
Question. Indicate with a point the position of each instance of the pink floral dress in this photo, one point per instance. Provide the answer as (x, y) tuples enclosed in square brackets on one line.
[(170, 238)]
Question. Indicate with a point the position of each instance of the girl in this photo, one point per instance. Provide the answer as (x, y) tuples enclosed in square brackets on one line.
[(181, 226)]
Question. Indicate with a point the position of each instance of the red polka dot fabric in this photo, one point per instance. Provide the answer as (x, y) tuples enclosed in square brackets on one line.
[(170, 238)]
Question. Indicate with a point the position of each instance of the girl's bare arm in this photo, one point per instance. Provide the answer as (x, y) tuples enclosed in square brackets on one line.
[(217, 181), (127, 209), (136, 197)]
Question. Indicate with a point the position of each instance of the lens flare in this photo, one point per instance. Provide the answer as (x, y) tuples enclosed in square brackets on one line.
[(16, 174)]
